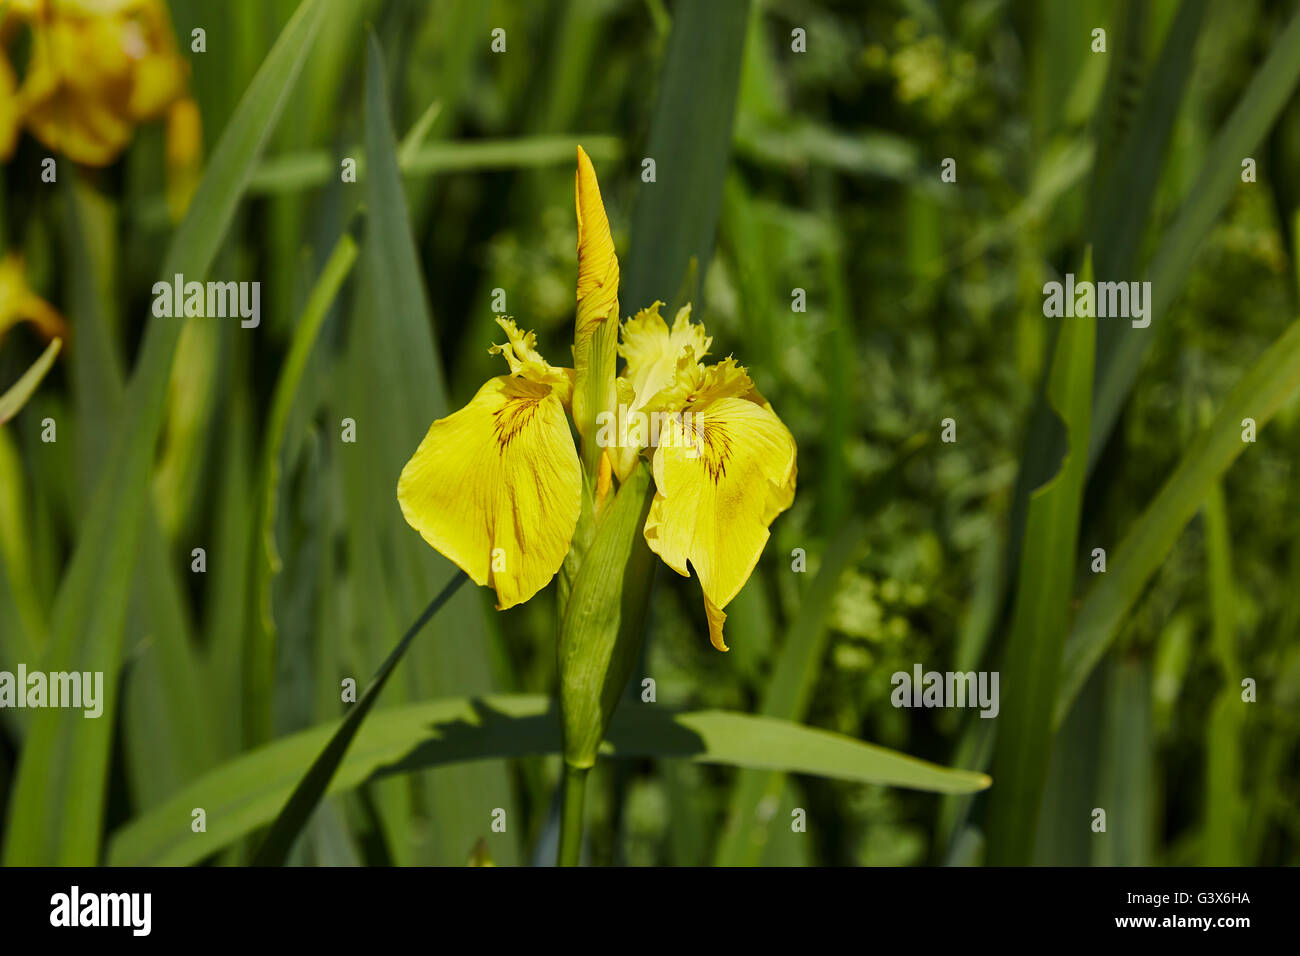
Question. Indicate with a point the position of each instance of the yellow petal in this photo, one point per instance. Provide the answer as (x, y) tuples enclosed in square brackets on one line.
[(159, 74), (652, 350), (11, 113), (75, 90), (18, 303), (653, 353), (597, 263), (717, 617), (184, 151), (97, 68), (694, 385), (722, 474), (595, 339), (496, 487), (520, 353)]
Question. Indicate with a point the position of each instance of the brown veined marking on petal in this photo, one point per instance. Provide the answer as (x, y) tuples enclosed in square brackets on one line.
[(714, 446), (513, 417)]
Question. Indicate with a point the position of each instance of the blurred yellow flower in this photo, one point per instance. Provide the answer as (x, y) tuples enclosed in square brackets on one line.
[(11, 114), (98, 69), (497, 487), (18, 303)]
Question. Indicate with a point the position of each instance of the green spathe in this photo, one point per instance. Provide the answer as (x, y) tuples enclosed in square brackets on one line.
[(604, 620)]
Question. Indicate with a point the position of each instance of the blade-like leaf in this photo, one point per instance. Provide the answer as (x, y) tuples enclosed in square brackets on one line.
[(1039, 623), (245, 793), (676, 216), (1223, 839), (306, 795), (393, 388), (1220, 175), (1258, 395), (1126, 778), (56, 810), (793, 678), (294, 171), (266, 558), (16, 396), (797, 668)]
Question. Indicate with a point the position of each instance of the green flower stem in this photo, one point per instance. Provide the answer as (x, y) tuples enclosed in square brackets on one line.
[(572, 803), (573, 800)]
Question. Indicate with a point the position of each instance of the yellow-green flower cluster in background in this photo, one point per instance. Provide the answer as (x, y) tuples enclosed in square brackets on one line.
[(926, 71), (498, 487), (97, 69)]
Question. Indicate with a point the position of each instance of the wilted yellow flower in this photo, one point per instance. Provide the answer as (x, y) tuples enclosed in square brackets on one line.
[(18, 303), (497, 487)]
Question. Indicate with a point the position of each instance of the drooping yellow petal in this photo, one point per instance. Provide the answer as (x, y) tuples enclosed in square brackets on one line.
[(496, 487), (18, 303), (595, 337), (723, 470)]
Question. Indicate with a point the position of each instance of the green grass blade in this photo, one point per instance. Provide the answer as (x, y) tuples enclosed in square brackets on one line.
[(16, 396), (394, 388), (307, 794), (168, 721), (1125, 189), (1223, 840), (56, 809), (1119, 202), (24, 628), (247, 792), (675, 218), (1220, 176), (295, 171), (1041, 617), (793, 677), (1258, 394), (260, 667), (1126, 778)]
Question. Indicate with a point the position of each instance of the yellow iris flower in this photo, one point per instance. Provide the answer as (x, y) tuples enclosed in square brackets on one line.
[(98, 69), (497, 487)]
